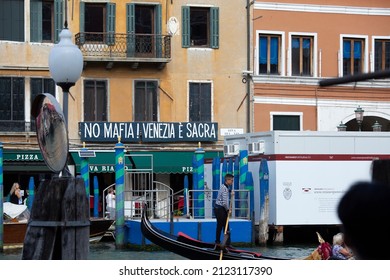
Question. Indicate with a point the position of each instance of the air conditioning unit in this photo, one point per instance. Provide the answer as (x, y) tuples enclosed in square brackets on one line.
[(256, 148), (231, 149)]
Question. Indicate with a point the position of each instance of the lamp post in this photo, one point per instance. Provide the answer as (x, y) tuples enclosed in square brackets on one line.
[(342, 127), (376, 126), (359, 114), (65, 65)]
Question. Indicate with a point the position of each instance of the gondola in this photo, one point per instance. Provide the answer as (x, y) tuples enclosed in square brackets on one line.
[(193, 249)]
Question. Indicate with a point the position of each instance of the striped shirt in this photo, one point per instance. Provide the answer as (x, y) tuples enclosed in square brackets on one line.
[(223, 197)]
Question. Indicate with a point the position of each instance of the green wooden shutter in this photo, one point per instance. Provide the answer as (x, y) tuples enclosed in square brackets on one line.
[(35, 21), (82, 22), (159, 37), (214, 28), (58, 19), (185, 39), (111, 9), (130, 27)]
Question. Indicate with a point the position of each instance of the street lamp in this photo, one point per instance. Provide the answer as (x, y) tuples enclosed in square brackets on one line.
[(376, 126), (65, 65), (342, 127), (359, 114)]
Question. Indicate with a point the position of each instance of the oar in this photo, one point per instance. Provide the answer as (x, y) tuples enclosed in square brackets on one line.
[(226, 235)]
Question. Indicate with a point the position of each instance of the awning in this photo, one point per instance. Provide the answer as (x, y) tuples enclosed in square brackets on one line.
[(156, 161), (24, 160)]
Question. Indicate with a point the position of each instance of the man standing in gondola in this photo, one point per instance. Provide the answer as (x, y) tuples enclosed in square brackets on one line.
[(222, 209)]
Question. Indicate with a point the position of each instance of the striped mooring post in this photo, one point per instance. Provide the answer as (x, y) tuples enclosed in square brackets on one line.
[(31, 193), (1, 200), (95, 197), (216, 177), (243, 172), (119, 194), (199, 155), (84, 170)]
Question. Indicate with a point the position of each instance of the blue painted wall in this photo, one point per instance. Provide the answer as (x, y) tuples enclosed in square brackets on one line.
[(241, 230)]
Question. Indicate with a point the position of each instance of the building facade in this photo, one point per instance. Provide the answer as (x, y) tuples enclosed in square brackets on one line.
[(165, 77), (296, 44)]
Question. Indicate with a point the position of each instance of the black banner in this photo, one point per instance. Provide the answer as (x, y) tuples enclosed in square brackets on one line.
[(148, 131)]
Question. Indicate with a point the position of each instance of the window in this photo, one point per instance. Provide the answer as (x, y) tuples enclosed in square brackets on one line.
[(95, 101), (382, 54), (145, 101), (302, 55), (42, 20), (286, 122), (200, 102), (12, 20), (12, 104), (269, 54), (47, 21), (144, 30), (38, 86), (42, 85), (96, 19), (200, 27), (353, 54)]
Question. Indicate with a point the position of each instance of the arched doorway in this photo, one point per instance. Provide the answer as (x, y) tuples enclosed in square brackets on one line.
[(368, 122)]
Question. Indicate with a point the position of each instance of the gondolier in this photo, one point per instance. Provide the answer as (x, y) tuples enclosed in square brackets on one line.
[(191, 248), (222, 208)]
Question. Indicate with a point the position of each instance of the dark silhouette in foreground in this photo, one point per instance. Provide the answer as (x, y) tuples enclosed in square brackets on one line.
[(364, 211)]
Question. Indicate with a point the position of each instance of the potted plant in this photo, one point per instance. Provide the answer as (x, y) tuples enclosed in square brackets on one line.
[(177, 213)]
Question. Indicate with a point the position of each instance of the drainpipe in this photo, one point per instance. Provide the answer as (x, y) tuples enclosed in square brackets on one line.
[(248, 63)]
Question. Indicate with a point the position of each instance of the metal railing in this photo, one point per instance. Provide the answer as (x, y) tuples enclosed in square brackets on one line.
[(201, 206), (117, 45), (164, 204), (159, 200)]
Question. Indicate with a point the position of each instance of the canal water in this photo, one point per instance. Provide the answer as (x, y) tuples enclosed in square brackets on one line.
[(107, 251)]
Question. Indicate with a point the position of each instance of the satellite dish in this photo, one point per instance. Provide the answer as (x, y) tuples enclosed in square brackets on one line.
[(52, 133)]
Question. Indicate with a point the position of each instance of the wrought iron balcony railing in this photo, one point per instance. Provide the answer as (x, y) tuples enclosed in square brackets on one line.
[(133, 48)]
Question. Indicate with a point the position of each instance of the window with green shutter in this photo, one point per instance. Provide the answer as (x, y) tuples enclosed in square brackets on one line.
[(42, 85), (144, 27), (200, 27), (96, 21), (111, 8), (95, 100), (12, 20), (59, 19), (146, 101), (12, 104), (200, 102), (42, 21)]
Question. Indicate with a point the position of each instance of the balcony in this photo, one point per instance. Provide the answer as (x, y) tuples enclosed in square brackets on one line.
[(132, 49)]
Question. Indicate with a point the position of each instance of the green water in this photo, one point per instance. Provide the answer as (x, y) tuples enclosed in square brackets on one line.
[(107, 251)]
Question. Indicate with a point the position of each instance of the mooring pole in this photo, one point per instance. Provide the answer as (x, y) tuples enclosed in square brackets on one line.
[(1, 200), (119, 194)]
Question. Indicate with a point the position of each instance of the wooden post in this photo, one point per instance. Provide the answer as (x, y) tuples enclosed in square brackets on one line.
[(58, 228)]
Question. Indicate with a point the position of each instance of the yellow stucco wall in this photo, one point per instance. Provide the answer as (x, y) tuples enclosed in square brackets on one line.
[(222, 66)]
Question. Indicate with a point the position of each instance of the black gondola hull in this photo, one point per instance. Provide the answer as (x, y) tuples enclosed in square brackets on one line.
[(194, 249)]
